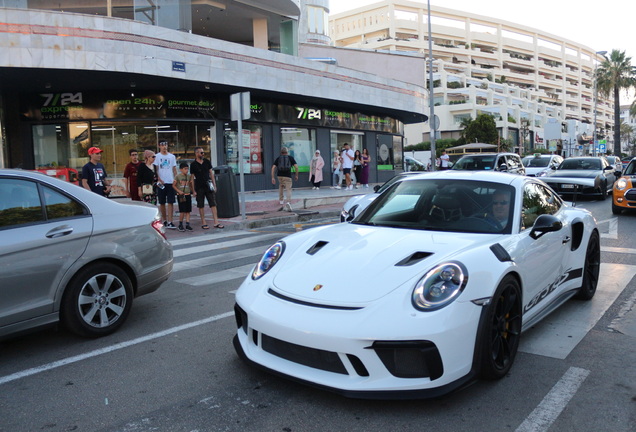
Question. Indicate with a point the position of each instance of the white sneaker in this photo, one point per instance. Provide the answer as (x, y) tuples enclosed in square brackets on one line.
[(314, 188), (350, 187), (281, 202), (357, 186), (317, 188)]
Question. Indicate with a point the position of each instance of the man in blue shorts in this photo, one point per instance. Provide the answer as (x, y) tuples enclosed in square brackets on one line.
[(166, 168)]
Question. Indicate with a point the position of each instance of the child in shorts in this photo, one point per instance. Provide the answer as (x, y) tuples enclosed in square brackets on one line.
[(184, 188)]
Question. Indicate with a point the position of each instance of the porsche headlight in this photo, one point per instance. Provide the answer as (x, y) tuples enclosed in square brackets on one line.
[(621, 183), (440, 286), (270, 257)]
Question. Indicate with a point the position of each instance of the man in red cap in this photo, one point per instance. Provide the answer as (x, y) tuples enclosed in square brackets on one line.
[(94, 173)]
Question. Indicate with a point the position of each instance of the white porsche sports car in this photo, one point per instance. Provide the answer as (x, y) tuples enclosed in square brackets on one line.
[(425, 291)]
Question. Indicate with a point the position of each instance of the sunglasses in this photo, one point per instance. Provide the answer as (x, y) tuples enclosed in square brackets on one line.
[(500, 202), (153, 157)]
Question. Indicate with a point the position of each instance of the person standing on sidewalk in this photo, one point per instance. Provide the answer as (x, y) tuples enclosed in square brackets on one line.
[(357, 167), (94, 173), (315, 170), (183, 187), (364, 175), (336, 170), (130, 174), (166, 166), (444, 160), (347, 165), (204, 187), (282, 169), (147, 178)]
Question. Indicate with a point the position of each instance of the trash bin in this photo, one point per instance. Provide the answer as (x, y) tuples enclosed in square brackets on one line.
[(227, 200)]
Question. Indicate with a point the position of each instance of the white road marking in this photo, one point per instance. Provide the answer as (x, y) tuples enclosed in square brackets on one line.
[(613, 228), (221, 276), (226, 244), (618, 250), (109, 349), (190, 240), (559, 333), (198, 263), (555, 401)]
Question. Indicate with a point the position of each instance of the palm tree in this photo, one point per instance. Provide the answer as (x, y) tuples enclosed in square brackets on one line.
[(614, 74)]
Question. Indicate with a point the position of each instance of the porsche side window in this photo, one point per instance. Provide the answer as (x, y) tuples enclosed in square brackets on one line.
[(59, 206), (19, 203), (537, 200)]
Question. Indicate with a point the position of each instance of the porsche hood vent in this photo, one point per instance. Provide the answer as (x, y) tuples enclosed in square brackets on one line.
[(315, 248), (413, 259)]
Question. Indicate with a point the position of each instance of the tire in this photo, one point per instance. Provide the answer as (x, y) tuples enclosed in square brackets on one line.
[(603, 191), (97, 301), (501, 330), (591, 268), (616, 209)]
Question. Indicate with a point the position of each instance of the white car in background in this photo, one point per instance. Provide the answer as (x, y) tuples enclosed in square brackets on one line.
[(356, 204), (540, 165)]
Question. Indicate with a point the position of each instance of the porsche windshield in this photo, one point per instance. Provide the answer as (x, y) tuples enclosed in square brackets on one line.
[(444, 205)]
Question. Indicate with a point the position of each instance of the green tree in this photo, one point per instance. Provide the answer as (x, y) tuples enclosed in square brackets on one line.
[(483, 130), (614, 74)]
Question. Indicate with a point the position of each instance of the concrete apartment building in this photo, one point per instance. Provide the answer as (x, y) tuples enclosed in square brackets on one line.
[(123, 74), (537, 85)]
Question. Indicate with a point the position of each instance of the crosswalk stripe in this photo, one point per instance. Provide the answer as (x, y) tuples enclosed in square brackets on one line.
[(221, 276), (221, 245), (190, 240), (218, 259)]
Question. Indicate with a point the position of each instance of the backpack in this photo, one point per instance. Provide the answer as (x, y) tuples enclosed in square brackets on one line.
[(284, 163)]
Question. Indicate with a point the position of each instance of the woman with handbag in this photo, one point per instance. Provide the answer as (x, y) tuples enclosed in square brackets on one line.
[(147, 179)]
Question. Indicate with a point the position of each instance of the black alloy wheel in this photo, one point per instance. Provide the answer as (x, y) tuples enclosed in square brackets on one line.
[(591, 269), (501, 334)]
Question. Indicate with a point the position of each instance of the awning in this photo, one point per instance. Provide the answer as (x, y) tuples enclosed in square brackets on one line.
[(487, 62), (461, 58)]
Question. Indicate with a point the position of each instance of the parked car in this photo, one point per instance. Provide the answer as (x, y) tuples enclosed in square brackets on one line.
[(73, 256), (615, 162), (626, 160), (583, 175), (624, 194), (412, 164), (442, 289), (540, 165), (356, 204), (502, 162)]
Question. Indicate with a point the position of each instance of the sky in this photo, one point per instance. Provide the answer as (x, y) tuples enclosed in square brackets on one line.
[(601, 25)]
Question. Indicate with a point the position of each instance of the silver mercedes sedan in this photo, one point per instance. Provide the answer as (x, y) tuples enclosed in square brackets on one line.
[(69, 255)]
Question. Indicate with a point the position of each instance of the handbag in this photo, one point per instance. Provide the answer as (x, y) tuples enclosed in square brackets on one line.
[(147, 189), (211, 185)]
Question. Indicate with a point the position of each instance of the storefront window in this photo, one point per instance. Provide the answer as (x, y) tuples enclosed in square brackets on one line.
[(339, 138), (389, 152), (301, 143), (61, 145), (252, 149)]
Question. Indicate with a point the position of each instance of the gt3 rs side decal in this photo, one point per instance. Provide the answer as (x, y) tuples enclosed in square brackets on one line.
[(565, 277)]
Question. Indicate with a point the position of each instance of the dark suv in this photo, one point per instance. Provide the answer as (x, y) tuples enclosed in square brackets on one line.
[(504, 162)]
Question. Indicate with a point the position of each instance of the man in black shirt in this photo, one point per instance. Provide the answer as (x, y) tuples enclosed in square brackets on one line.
[(201, 170), (282, 169)]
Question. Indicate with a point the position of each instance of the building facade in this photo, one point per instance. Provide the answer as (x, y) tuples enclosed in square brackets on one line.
[(525, 77), (121, 74)]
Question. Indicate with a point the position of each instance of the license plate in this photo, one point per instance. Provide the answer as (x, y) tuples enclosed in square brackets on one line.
[(567, 186)]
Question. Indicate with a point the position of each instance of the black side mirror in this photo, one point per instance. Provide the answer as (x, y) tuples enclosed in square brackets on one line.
[(376, 188), (544, 224), (503, 167)]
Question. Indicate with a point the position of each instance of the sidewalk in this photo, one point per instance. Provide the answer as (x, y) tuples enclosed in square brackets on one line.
[(262, 209)]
